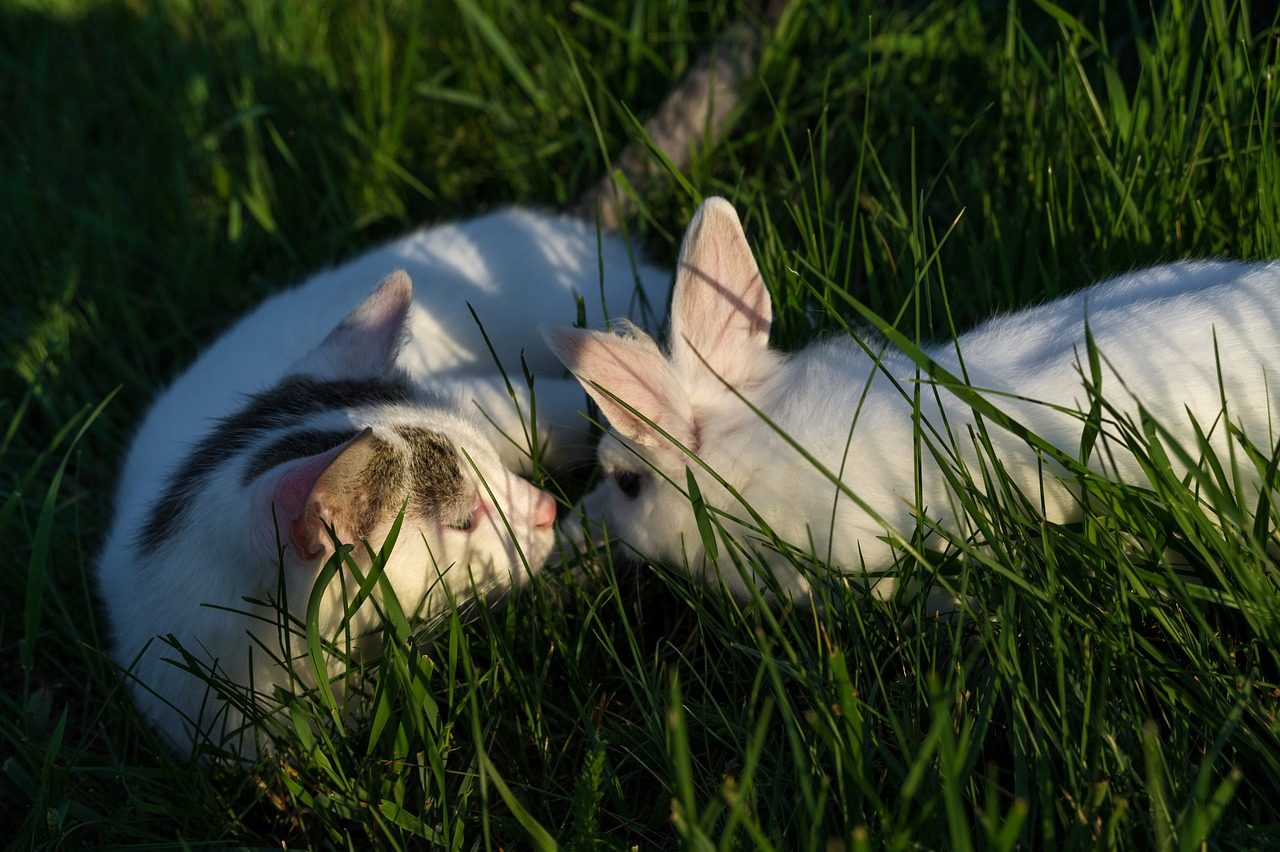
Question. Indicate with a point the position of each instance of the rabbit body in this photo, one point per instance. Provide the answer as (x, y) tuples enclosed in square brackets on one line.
[(1174, 340)]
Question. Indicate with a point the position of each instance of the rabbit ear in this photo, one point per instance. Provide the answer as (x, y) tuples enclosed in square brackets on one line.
[(615, 370), (721, 311), (366, 342)]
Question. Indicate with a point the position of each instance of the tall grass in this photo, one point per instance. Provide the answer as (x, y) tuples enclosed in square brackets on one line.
[(167, 164)]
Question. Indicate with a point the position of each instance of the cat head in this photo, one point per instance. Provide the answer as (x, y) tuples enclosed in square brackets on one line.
[(333, 454), (665, 408)]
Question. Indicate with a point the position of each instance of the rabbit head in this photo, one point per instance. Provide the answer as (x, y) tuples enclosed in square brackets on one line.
[(689, 411)]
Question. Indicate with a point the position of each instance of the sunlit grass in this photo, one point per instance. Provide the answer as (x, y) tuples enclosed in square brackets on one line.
[(170, 163)]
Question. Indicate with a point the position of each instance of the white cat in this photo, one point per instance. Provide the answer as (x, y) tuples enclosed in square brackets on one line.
[(328, 405), (1174, 339)]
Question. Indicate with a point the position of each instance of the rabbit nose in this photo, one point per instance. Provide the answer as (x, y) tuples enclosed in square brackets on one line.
[(544, 510)]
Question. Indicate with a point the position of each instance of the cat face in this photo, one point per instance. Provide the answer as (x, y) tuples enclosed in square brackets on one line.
[(468, 525)]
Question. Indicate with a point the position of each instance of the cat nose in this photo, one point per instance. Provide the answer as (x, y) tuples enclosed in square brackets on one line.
[(544, 510)]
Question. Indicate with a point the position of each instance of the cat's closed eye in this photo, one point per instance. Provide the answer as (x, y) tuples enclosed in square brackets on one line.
[(466, 522)]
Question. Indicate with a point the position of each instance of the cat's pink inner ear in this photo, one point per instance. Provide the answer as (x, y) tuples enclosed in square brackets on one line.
[(366, 342), (630, 380), (721, 310), (320, 492)]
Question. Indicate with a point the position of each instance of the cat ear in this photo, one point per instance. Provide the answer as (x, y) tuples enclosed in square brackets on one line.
[(614, 370), (366, 342), (720, 311), (323, 491)]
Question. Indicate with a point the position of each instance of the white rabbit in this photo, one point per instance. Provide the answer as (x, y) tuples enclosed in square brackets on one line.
[(330, 406), (1164, 335)]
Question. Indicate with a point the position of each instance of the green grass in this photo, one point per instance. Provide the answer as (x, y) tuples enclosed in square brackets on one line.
[(167, 164)]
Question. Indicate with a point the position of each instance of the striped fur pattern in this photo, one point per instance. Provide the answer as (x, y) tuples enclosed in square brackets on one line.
[(329, 410)]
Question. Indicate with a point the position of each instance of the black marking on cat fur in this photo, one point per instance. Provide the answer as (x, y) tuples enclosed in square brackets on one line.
[(435, 484), (291, 446), (288, 402), (380, 489), (435, 474)]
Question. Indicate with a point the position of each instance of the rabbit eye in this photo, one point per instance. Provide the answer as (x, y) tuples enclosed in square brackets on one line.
[(628, 482)]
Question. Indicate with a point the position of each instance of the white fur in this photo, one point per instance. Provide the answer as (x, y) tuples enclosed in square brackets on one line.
[(1155, 330), (519, 270)]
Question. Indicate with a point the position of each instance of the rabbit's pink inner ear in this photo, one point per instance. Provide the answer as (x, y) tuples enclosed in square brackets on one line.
[(622, 374), (366, 342), (721, 310), (318, 492)]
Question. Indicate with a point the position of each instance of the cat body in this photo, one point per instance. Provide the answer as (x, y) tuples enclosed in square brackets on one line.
[(335, 404), (1176, 340), (519, 269)]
